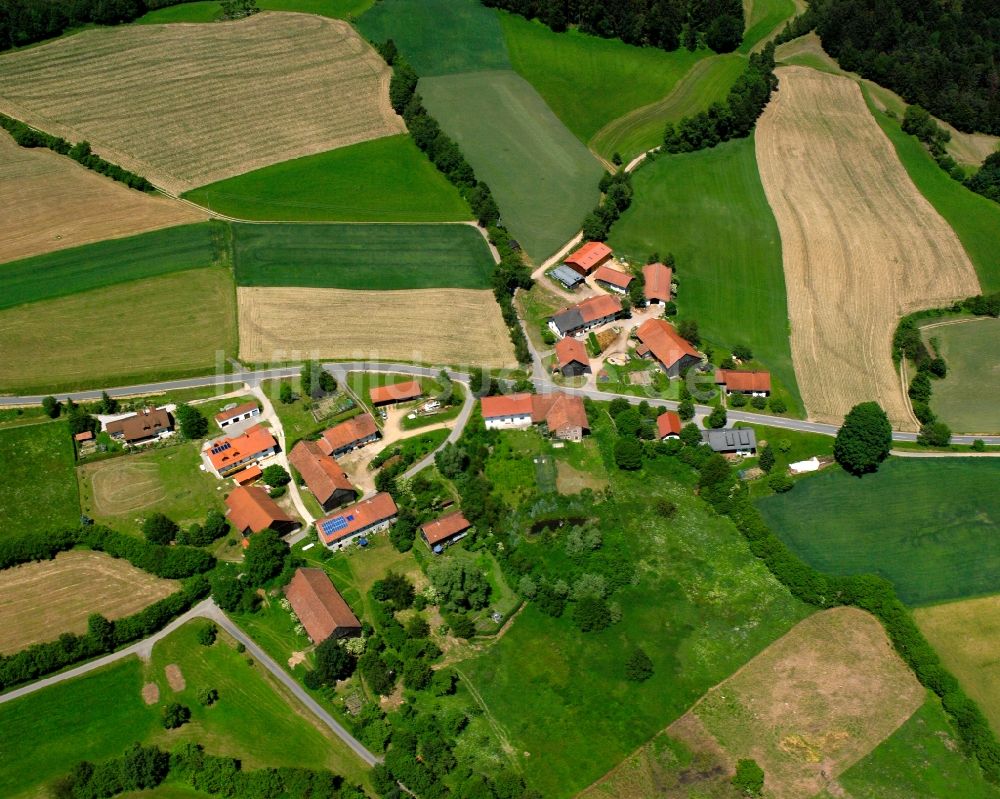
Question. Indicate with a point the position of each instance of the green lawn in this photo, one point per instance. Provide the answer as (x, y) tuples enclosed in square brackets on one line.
[(921, 760), (543, 178), (384, 180), (439, 37), (362, 257), (109, 262), (974, 219), (211, 10), (967, 398), (928, 525), (589, 81), (764, 17), (297, 417), (40, 486), (708, 208)]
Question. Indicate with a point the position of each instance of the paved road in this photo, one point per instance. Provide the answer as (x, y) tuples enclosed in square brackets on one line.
[(456, 432)]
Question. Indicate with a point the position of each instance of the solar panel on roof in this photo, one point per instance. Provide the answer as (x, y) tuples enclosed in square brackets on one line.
[(221, 448), (331, 526)]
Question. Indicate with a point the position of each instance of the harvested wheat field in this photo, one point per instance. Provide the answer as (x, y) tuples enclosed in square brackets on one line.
[(40, 601), (861, 246), (808, 707), (52, 203), (439, 326), (187, 105)]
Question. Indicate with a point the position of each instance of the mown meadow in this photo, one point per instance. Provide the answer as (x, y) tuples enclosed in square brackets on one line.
[(41, 483)]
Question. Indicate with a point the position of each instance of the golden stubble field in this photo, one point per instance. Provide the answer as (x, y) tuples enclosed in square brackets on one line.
[(187, 105), (457, 326), (40, 601), (861, 246), (50, 202)]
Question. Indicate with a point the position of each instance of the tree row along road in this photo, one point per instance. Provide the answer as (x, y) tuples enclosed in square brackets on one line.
[(542, 383)]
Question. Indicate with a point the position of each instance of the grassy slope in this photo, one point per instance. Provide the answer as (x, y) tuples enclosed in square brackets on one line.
[(544, 179), (363, 257), (40, 486), (709, 209), (974, 219), (966, 398), (765, 16), (439, 37), (929, 526), (385, 180), (211, 10), (191, 317), (701, 607), (106, 263)]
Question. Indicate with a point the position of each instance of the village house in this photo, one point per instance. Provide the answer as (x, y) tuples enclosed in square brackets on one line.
[(445, 531), (318, 604), (563, 414), (322, 475), (238, 413), (744, 381), (658, 279), (367, 517), (731, 440), (230, 455), (569, 277), (571, 358), (588, 257), (660, 341), (349, 435), (147, 425), (397, 392), (612, 279), (251, 510), (668, 425), (592, 312)]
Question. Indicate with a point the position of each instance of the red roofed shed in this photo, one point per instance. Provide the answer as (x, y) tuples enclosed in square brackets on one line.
[(397, 392), (668, 425), (320, 607), (446, 530), (590, 256), (251, 510), (658, 279)]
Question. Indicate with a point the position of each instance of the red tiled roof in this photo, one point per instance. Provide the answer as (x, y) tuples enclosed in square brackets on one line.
[(569, 349), (509, 405), (86, 435), (608, 275), (239, 410), (248, 475), (397, 392), (250, 508), (668, 423), (595, 307), (664, 342), (440, 529), (657, 277), (356, 517), (319, 605), (558, 411), (252, 441), (346, 433), (589, 255), (321, 473), (743, 380)]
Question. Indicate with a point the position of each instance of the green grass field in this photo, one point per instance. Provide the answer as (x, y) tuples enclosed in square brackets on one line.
[(99, 715), (211, 10), (384, 180), (974, 219), (106, 263), (362, 257), (967, 398), (928, 525), (439, 37), (543, 178), (764, 17), (708, 208), (40, 486)]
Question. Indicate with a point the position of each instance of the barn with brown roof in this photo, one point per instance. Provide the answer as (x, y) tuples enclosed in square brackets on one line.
[(320, 607), (397, 392), (571, 357), (322, 475), (146, 425), (612, 279), (658, 279), (444, 531), (251, 510), (660, 341), (351, 434)]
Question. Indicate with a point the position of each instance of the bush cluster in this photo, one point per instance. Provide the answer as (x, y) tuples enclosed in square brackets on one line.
[(617, 196)]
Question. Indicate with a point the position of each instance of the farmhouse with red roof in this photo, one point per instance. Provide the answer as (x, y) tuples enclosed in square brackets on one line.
[(444, 531), (660, 341), (563, 414), (668, 425), (592, 312), (590, 256), (367, 517), (251, 510), (230, 455), (744, 381), (571, 357), (349, 435), (322, 475), (319, 606)]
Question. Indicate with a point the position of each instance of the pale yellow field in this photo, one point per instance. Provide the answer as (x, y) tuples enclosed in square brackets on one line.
[(440, 326), (50, 202), (861, 246), (40, 601), (187, 105)]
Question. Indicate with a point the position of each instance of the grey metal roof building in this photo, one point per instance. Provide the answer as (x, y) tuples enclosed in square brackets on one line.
[(731, 439), (570, 278)]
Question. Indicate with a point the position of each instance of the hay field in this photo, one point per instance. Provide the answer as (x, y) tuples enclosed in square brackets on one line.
[(40, 601), (440, 326), (53, 203), (807, 708), (860, 245), (234, 96), (967, 398)]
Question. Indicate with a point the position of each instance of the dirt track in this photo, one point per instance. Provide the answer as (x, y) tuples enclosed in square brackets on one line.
[(861, 245)]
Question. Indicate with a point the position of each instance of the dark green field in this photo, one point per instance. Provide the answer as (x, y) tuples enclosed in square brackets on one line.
[(708, 208), (211, 10), (439, 37), (931, 526), (764, 17), (106, 263), (39, 478), (384, 180), (371, 257)]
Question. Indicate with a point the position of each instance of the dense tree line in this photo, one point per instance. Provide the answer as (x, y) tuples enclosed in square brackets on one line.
[(616, 191), (942, 56), (80, 152), (733, 119), (656, 23), (986, 180)]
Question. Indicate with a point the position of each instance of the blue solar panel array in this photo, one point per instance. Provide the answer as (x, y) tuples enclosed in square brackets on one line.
[(336, 524), (221, 448)]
